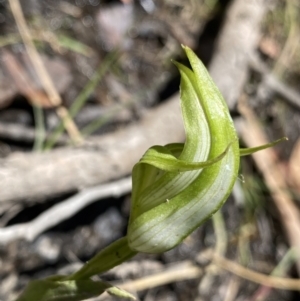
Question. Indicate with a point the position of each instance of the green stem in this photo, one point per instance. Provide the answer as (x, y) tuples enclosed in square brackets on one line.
[(111, 256), (220, 232)]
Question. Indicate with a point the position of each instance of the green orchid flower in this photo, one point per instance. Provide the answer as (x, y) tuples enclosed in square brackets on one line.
[(176, 187), (197, 176)]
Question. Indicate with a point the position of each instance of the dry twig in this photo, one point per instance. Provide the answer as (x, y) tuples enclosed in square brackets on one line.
[(182, 271), (187, 270), (39, 67), (239, 270), (270, 81), (21, 133), (111, 156), (23, 82), (237, 43), (63, 211)]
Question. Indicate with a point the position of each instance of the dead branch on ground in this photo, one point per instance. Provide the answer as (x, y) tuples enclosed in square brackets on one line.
[(63, 211)]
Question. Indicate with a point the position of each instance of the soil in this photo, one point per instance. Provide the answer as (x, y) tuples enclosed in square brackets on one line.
[(76, 38)]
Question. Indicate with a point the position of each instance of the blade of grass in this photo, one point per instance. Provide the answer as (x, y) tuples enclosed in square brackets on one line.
[(10, 39), (40, 132), (83, 96), (95, 125), (99, 122), (61, 40), (74, 45)]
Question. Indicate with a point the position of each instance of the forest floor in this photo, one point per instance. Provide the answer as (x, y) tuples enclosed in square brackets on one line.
[(65, 189)]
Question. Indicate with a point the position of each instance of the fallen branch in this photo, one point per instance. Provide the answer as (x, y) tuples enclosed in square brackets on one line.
[(63, 211), (237, 43), (271, 82), (182, 271), (30, 176), (21, 133)]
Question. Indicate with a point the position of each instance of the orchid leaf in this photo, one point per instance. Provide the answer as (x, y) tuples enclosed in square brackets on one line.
[(70, 290), (249, 151)]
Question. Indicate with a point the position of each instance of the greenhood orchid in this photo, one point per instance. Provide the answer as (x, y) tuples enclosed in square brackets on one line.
[(176, 187)]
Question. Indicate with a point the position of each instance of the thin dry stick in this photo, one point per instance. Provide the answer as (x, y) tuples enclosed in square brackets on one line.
[(64, 210), (280, 270), (179, 272), (253, 135), (208, 280), (187, 270), (40, 69), (272, 82), (182, 272), (232, 288), (276, 282)]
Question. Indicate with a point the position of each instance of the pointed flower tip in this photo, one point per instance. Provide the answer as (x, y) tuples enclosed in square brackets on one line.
[(185, 47)]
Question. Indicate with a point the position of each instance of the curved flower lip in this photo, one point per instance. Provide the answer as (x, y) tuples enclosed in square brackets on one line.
[(196, 177)]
